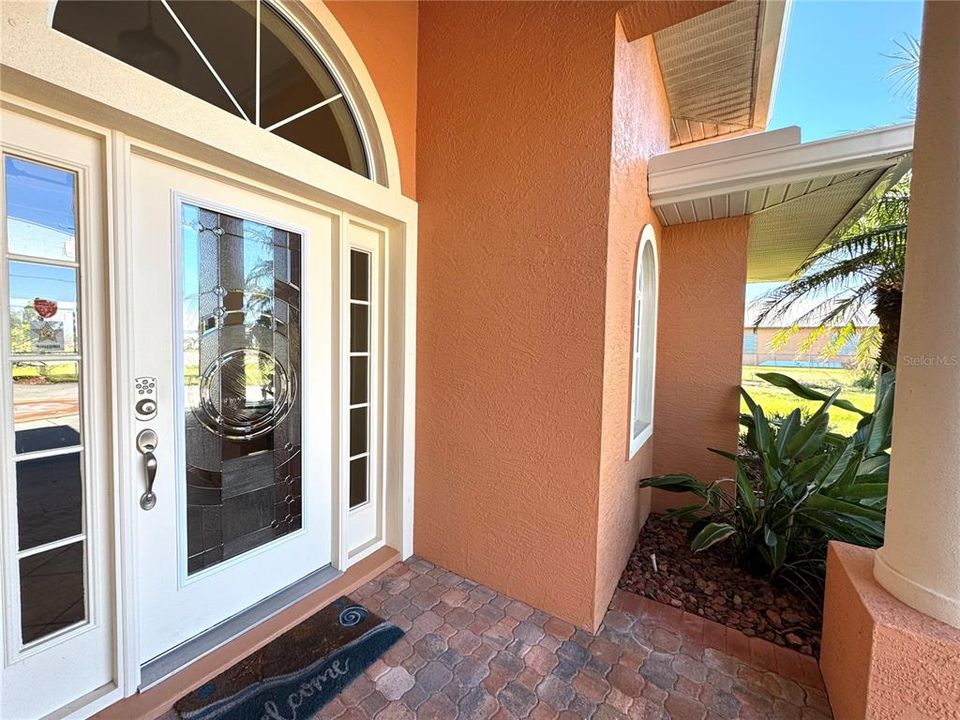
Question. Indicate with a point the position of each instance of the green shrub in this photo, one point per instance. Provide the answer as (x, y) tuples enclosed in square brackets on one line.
[(810, 485)]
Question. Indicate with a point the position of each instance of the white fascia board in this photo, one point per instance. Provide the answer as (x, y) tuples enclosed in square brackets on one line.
[(771, 46), (683, 157), (758, 165)]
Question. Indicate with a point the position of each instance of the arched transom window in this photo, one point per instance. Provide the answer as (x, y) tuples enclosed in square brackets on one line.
[(240, 55), (644, 341)]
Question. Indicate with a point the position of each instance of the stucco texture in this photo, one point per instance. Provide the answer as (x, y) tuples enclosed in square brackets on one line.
[(703, 274), (385, 36), (533, 128), (641, 129), (514, 129), (881, 659)]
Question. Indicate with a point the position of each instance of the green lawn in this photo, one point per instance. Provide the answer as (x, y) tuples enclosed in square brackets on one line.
[(777, 401)]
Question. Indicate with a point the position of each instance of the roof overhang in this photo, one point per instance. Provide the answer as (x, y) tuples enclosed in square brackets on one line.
[(720, 69), (800, 194)]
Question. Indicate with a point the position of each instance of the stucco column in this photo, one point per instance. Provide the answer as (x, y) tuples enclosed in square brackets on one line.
[(920, 560)]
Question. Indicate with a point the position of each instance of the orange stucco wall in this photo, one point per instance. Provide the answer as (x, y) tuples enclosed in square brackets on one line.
[(533, 126), (881, 659), (641, 128), (385, 36), (703, 273), (523, 130), (514, 129)]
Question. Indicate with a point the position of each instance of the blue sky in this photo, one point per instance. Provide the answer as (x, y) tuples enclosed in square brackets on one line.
[(832, 78)]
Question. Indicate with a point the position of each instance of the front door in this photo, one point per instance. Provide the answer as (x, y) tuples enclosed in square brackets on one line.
[(233, 361)]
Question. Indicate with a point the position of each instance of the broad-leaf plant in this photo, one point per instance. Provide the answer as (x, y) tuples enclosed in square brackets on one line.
[(797, 487)]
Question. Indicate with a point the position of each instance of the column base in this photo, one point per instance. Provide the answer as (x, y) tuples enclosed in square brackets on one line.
[(923, 599), (880, 658)]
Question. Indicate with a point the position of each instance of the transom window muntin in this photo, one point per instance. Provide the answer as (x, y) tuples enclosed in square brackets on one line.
[(243, 56), (643, 366)]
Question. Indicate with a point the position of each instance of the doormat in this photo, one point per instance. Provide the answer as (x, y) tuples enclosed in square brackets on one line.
[(298, 673)]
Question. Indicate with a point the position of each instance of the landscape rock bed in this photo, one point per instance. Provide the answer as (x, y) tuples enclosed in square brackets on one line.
[(711, 584)]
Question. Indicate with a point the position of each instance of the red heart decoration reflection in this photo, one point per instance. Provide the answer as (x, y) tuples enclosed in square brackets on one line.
[(45, 308)]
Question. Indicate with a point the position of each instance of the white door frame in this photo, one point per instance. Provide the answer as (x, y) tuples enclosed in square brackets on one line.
[(78, 88)]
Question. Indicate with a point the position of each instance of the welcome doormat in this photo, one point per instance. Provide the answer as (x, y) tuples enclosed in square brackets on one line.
[(299, 672)]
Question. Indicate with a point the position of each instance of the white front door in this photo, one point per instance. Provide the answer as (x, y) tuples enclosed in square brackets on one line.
[(234, 349)]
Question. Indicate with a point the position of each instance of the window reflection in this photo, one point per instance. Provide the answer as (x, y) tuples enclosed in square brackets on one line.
[(46, 405), (49, 499), (41, 210), (43, 309), (209, 49), (241, 309), (51, 591), (41, 274)]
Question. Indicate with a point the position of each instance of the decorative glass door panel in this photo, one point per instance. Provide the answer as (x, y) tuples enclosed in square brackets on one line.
[(239, 281), (241, 319)]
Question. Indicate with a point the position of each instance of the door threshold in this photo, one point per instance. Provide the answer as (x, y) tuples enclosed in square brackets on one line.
[(166, 664), (151, 702)]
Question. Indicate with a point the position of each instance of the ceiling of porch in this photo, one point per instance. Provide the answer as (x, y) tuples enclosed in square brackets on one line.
[(720, 69), (799, 194)]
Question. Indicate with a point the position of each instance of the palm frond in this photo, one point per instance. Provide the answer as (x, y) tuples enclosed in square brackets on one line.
[(844, 276), (906, 72)]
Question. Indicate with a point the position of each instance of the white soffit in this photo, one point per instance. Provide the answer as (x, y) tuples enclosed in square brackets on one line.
[(720, 69), (800, 194)]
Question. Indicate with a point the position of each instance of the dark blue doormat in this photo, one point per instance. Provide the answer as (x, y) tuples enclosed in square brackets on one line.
[(298, 673)]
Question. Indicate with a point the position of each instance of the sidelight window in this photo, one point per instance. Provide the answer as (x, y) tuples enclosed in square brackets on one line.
[(360, 349), (44, 366)]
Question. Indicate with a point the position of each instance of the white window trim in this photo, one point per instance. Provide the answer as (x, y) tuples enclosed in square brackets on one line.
[(643, 366)]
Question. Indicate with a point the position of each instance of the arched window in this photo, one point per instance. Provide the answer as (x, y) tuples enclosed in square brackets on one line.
[(242, 56), (644, 341)]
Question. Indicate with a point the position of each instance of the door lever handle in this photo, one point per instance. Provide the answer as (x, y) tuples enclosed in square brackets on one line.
[(146, 444)]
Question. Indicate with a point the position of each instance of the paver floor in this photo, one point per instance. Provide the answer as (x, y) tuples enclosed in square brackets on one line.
[(470, 652)]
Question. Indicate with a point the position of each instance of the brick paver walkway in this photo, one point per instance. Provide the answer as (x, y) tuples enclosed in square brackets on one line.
[(470, 652)]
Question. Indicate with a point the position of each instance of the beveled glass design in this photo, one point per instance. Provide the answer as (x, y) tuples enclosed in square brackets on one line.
[(52, 591), (359, 430), (211, 49), (241, 319), (42, 272)]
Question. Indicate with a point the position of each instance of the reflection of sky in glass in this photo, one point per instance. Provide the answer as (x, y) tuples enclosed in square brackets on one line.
[(50, 282), (40, 209), (258, 270), (190, 224), (258, 252)]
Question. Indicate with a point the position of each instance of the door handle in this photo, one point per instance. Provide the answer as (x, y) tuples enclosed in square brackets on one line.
[(146, 444)]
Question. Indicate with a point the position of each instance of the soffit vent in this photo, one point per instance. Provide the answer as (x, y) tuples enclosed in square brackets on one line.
[(784, 235), (711, 71)]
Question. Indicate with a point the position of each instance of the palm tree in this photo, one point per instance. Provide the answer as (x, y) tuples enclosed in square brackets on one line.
[(862, 271), (858, 274), (906, 73)]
